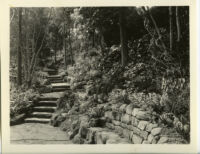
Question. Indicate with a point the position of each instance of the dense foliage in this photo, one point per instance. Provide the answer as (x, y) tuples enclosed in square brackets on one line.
[(122, 54)]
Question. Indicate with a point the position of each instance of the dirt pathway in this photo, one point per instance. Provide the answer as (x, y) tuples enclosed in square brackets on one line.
[(35, 133)]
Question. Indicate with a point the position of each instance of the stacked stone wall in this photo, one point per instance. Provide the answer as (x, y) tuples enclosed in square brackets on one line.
[(139, 126)]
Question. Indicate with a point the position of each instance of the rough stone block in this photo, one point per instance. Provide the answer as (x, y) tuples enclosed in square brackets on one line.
[(110, 125), (111, 141), (109, 115), (119, 141), (134, 121), (123, 108), (119, 129), (135, 111), (144, 134), (114, 114), (123, 125), (116, 123), (99, 139), (118, 116), (126, 119), (119, 105), (163, 140), (136, 139), (143, 115), (78, 140), (156, 131), (142, 125), (108, 135), (150, 138), (156, 139), (126, 133), (139, 132), (150, 126), (91, 135), (146, 142), (83, 132), (114, 107), (129, 109)]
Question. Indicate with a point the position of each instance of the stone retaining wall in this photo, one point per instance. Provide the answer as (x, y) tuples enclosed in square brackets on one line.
[(139, 126)]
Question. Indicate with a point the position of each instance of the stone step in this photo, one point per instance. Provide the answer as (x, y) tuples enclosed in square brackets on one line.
[(57, 81), (48, 98), (44, 108), (60, 85), (47, 103), (52, 70), (54, 77), (37, 120), (52, 73), (14, 101), (59, 89), (56, 87), (41, 115)]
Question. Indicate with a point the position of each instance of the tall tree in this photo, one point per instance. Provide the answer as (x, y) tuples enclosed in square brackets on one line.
[(170, 28), (64, 42), (123, 39), (19, 55), (70, 46), (38, 40), (178, 25)]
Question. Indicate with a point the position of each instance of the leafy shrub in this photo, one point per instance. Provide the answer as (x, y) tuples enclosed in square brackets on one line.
[(176, 98), (45, 89), (40, 78), (118, 96), (67, 101), (21, 102)]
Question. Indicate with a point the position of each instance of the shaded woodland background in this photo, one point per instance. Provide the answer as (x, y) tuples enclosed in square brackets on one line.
[(115, 51)]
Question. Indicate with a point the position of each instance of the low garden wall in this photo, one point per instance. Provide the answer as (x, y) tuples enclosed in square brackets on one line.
[(140, 126)]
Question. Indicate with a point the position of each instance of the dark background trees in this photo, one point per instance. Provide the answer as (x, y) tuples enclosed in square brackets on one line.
[(39, 32), (127, 49)]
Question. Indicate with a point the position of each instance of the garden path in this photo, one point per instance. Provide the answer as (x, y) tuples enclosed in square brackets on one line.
[(36, 129)]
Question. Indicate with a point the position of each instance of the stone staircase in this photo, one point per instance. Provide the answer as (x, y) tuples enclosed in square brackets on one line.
[(43, 109)]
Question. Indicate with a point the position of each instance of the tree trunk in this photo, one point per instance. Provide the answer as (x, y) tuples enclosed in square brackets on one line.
[(33, 61), (36, 53), (19, 56), (55, 56), (158, 32), (102, 43), (123, 39), (26, 53), (55, 53), (170, 29), (64, 42), (178, 25), (65, 53), (70, 46)]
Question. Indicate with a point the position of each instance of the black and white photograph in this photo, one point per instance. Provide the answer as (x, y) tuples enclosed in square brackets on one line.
[(99, 75)]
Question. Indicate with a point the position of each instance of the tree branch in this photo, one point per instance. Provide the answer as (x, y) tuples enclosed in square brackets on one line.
[(33, 62)]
